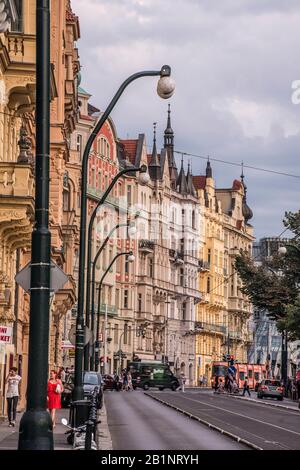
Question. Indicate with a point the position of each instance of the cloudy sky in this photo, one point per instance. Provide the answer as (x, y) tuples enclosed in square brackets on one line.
[(234, 62)]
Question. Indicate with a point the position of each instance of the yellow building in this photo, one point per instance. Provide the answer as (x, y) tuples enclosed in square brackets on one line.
[(223, 313), (212, 307)]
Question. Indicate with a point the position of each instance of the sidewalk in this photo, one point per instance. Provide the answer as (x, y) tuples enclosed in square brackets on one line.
[(287, 403), (9, 436)]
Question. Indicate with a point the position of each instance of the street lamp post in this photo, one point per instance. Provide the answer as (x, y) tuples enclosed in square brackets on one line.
[(165, 89), (144, 177), (131, 229), (36, 426), (97, 345)]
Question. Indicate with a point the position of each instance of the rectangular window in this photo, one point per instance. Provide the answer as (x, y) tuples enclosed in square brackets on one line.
[(126, 298), (17, 25), (139, 302), (126, 265), (181, 277), (116, 334), (125, 334), (208, 255), (150, 267), (129, 335), (117, 298), (79, 144), (129, 196)]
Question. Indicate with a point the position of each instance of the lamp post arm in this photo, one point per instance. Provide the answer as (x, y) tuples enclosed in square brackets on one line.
[(99, 299), (78, 386)]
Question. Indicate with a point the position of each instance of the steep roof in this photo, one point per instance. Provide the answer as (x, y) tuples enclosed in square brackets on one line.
[(237, 185), (130, 148), (199, 181)]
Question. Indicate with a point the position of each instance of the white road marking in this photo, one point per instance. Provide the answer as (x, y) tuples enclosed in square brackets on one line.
[(244, 416)]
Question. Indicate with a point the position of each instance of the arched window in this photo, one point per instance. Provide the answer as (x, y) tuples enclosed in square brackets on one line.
[(66, 199), (193, 219)]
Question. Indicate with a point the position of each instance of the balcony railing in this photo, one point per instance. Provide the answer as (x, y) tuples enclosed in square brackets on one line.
[(211, 327), (147, 246), (235, 335), (204, 265), (176, 256), (111, 309)]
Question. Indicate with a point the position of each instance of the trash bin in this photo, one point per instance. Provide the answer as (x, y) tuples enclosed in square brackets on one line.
[(79, 412)]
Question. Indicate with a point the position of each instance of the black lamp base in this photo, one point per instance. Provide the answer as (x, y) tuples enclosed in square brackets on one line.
[(36, 431)]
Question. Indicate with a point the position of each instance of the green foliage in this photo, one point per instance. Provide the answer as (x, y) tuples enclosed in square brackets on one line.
[(274, 285)]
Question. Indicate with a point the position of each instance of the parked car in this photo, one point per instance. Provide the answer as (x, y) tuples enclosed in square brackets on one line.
[(90, 381), (270, 388)]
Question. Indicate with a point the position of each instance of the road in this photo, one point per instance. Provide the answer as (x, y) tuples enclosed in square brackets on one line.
[(137, 422), (267, 427)]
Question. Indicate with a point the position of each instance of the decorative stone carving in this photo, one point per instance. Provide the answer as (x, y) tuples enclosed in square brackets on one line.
[(25, 146)]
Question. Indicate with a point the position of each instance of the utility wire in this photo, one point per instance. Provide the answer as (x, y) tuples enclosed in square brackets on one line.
[(227, 162)]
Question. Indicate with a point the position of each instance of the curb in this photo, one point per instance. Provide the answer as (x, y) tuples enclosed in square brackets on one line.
[(265, 403), (104, 441), (206, 423)]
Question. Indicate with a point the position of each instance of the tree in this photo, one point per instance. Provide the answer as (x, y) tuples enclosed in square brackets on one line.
[(274, 285)]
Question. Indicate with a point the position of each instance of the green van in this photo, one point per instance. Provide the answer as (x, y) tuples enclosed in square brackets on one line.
[(146, 374)]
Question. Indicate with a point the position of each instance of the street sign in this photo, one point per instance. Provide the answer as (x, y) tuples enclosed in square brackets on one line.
[(87, 335), (57, 277), (5, 334), (66, 344)]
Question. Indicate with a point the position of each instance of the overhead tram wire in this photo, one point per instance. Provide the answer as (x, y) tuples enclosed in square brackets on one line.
[(227, 162)]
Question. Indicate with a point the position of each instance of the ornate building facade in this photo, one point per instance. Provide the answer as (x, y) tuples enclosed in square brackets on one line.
[(17, 148), (224, 312)]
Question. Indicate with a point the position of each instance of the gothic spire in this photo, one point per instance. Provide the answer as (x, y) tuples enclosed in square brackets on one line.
[(154, 166), (190, 184), (208, 169), (169, 145), (181, 183)]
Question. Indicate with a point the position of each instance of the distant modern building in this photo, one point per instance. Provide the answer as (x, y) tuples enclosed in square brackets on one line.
[(267, 340)]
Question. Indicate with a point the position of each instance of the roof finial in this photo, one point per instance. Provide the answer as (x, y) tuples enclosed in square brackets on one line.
[(154, 132), (182, 160), (208, 169), (242, 175)]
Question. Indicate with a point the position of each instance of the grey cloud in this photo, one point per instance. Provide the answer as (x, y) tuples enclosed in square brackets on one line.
[(220, 51)]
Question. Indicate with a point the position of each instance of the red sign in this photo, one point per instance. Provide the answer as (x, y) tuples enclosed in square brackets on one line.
[(5, 334)]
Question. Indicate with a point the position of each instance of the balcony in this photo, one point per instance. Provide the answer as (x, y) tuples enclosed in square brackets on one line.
[(111, 309), (203, 266), (205, 298), (210, 327), (144, 316), (146, 246), (177, 257), (235, 336)]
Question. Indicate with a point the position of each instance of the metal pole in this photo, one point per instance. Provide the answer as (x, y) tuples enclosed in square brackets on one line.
[(92, 359), (99, 305), (105, 340), (78, 386), (143, 168), (36, 426), (120, 354)]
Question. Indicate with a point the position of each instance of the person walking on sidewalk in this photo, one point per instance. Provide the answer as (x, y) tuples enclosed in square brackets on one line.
[(246, 387), (55, 388), (12, 395), (182, 380)]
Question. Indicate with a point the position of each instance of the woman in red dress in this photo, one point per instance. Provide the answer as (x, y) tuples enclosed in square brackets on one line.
[(55, 388)]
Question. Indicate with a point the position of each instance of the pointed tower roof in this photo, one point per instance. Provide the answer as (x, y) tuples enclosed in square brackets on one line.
[(208, 169), (190, 184), (169, 145), (181, 183), (154, 165)]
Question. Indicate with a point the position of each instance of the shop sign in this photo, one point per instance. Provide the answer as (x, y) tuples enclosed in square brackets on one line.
[(5, 334)]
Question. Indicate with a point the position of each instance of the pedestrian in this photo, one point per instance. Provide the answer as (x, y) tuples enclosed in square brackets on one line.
[(13, 381), (298, 384), (294, 390), (55, 388), (246, 387), (204, 381), (116, 384), (216, 383), (125, 381), (201, 380), (62, 375), (220, 386), (182, 380), (129, 379)]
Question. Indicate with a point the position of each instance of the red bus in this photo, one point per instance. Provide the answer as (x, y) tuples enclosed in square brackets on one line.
[(255, 373)]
